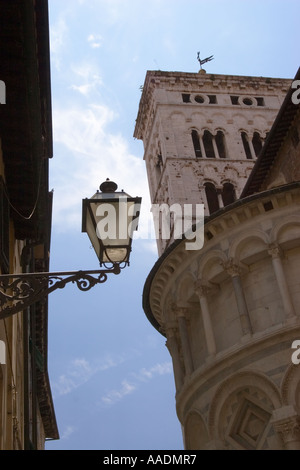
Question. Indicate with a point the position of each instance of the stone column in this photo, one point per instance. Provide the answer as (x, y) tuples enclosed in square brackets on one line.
[(215, 147), (234, 272), (276, 253), (203, 153), (185, 343), (172, 346), (220, 199), (252, 149), (202, 292), (286, 423)]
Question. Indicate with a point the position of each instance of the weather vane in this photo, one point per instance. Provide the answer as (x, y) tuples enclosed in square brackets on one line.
[(203, 61)]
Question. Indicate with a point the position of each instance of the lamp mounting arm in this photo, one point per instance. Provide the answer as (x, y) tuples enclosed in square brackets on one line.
[(19, 291)]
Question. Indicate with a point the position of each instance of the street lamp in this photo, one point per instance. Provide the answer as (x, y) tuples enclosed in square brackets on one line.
[(109, 218)]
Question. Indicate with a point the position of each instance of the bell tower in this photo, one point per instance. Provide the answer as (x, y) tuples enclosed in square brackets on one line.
[(202, 134)]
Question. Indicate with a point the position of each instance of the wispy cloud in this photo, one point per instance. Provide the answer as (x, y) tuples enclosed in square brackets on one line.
[(81, 371), (58, 39), (68, 431), (95, 40), (88, 77), (114, 396), (159, 369), (129, 386)]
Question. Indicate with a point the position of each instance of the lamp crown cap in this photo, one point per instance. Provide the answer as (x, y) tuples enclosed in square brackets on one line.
[(108, 186)]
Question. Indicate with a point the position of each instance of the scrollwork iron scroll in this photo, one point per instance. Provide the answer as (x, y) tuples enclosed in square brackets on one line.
[(19, 291)]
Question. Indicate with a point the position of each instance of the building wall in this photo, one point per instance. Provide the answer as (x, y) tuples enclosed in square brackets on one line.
[(12, 372), (230, 311), (11, 376)]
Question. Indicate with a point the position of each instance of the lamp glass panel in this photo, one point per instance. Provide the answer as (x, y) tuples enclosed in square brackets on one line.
[(90, 229), (110, 223)]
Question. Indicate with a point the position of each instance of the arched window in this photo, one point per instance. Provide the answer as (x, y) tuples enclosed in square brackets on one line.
[(220, 141), (228, 194), (246, 145), (257, 143), (208, 144), (212, 197), (196, 143)]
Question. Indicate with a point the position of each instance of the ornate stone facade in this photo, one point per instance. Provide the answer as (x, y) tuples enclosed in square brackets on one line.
[(230, 311)]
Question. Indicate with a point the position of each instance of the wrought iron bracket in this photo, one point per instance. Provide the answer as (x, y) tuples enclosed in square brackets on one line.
[(19, 291)]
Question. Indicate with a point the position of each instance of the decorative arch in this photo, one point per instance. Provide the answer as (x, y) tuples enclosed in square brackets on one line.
[(194, 127), (228, 179), (290, 386), (198, 116), (185, 288), (241, 120), (242, 240), (222, 129), (210, 174), (219, 116), (213, 257), (195, 431), (236, 399), (260, 121), (292, 223), (175, 114), (231, 174)]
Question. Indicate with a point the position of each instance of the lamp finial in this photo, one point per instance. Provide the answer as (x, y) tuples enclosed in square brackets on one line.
[(108, 186)]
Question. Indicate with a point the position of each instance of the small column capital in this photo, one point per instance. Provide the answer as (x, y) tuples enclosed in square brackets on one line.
[(231, 267), (171, 329), (286, 422), (275, 250), (179, 310), (289, 431), (203, 288), (182, 312)]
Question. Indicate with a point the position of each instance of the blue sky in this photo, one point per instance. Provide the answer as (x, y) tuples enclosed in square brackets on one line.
[(110, 371)]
